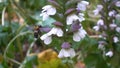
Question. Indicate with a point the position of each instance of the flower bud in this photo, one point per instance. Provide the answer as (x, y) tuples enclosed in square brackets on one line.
[(54, 3), (57, 23), (66, 45), (70, 11)]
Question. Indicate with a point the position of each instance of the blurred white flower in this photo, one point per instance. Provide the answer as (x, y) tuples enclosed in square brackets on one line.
[(100, 22), (98, 9), (80, 34), (82, 5), (47, 11), (113, 25), (96, 28), (66, 30), (74, 17), (70, 52), (112, 13), (109, 53), (56, 31), (117, 16), (101, 46), (71, 18), (117, 3), (115, 39), (81, 17), (118, 29), (46, 38)]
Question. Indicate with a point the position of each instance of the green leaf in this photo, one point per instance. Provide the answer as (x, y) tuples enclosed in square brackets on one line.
[(30, 61), (94, 60)]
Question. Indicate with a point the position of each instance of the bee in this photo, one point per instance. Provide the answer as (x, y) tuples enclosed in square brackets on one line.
[(37, 32)]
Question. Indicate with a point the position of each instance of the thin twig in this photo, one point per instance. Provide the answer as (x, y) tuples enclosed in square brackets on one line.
[(27, 54), (94, 36), (14, 61)]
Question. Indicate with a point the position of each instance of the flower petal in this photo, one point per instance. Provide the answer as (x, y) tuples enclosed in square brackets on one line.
[(109, 53), (51, 11), (66, 52), (96, 28), (48, 40), (72, 52), (43, 37), (82, 33), (71, 18), (60, 55), (53, 31), (45, 16), (76, 37), (46, 7), (59, 32)]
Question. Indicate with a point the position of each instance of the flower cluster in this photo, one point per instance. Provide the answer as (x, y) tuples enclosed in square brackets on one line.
[(71, 17), (107, 25)]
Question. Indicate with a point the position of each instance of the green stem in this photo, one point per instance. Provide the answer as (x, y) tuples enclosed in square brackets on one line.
[(107, 22), (9, 44), (14, 61), (64, 22), (29, 49), (27, 54), (18, 41)]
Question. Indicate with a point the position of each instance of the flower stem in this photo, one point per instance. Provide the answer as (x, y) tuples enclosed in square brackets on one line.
[(9, 44)]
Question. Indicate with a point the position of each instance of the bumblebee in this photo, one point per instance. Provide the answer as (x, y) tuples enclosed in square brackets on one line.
[(37, 32)]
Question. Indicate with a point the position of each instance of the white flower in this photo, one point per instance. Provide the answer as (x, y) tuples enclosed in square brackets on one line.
[(109, 53), (115, 39), (46, 38), (118, 29), (100, 22), (100, 36), (101, 46), (56, 31), (117, 3), (48, 10), (81, 17), (80, 34), (66, 53), (98, 9), (71, 18), (112, 13), (113, 25), (117, 16), (66, 30), (74, 17), (82, 5), (96, 28)]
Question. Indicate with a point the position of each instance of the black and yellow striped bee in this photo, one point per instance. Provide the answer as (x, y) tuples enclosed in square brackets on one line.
[(37, 31), (37, 34)]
